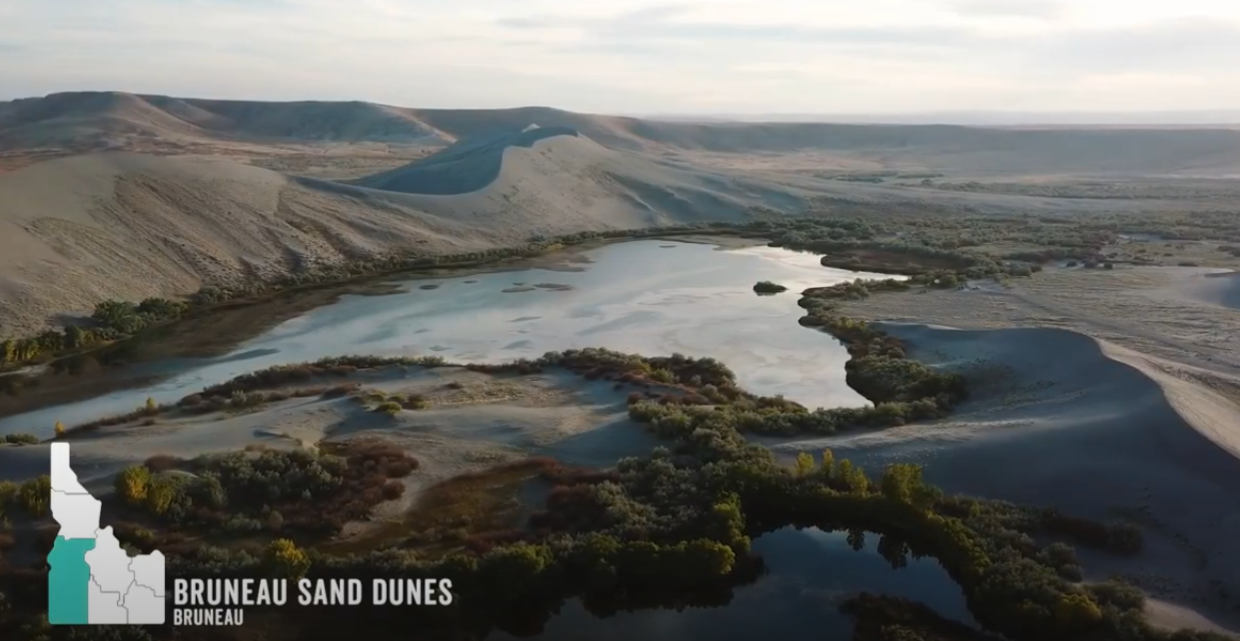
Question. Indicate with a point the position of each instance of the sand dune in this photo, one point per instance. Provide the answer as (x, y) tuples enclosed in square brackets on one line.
[(77, 230), (1061, 419), (94, 120), (471, 164)]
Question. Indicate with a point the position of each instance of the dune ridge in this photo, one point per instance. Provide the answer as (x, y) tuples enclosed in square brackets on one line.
[(472, 164), (84, 120), (1060, 418)]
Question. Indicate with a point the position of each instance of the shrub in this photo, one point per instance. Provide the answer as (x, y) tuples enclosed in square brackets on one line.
[(21, 439), (35, 495), (767, 287), (284, 559), (132, 484), (391, 408), (393, 490)]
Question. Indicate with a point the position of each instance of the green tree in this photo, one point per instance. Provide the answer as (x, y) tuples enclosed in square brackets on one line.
[(804, 464), (900, 482), (284, 559), (75, 337), (1077, 610), (828, 462), (36, 495), (133, 483), (161, 493)]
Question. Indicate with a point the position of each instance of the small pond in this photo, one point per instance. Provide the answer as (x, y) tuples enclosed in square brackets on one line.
[(810, 573)]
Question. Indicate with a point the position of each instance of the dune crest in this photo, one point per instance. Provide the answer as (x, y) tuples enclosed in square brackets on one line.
[(473, 164)]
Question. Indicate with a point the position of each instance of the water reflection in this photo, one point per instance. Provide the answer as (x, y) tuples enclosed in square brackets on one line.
[(635, 297), (810, 574)]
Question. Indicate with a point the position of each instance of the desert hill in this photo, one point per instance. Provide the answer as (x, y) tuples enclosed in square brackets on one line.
[(93, 120), (112, 119), (83, 228)]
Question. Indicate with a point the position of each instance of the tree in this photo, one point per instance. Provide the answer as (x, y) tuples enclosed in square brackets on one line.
[(900, 482), (133, 483), (852, 477), (1077, 610), (75, 337), (284, 559), (36, 495), (151, 408), (828, 461), (59, 429), (161, 493), (804, 464)]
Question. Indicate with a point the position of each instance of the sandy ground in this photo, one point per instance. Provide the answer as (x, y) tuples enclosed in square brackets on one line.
[(1059, 418), (1111, 394), (488, 420)]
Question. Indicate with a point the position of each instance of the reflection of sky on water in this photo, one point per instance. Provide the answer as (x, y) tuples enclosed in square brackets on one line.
[(635, 297), (811, 573)]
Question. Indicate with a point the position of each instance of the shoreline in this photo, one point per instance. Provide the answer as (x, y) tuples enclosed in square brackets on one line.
[(213, 332)]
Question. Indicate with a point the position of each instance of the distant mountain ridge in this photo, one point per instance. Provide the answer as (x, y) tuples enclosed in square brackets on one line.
[(112, 120)]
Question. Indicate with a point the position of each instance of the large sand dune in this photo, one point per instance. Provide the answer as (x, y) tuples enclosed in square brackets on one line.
[(77, 230), (1061, 419), (472, 164), (93, 120)]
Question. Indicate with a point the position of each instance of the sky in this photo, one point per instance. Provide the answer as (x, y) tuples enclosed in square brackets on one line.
[(640, 56)]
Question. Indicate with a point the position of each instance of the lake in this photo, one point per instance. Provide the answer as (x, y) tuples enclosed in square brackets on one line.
[(651, 297), (810, 573)]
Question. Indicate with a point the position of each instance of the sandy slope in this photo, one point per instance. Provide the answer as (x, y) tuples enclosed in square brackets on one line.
[(80, 229), (1061, 419)]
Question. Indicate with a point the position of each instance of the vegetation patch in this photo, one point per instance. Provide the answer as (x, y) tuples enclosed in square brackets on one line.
[(295, 493), (767, 287)]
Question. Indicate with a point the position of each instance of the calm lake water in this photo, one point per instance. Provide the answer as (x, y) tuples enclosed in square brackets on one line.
[(650, 297), (811, 573)]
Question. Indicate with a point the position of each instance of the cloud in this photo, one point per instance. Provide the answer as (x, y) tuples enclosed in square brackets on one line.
[(1037, 9), (638, 55)]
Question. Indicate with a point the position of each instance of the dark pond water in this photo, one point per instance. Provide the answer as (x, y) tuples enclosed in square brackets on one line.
[(811, 573)]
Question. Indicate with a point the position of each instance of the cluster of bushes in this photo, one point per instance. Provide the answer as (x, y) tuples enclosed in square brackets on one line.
[(767, 287), (20, 438), (32, 497), (111, 320), (279, 491)]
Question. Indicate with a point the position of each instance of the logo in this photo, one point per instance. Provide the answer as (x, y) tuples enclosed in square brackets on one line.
[(93, 581)]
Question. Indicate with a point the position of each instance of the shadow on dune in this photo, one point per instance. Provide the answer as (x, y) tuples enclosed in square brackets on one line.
[(1056, 420), (468, 165)]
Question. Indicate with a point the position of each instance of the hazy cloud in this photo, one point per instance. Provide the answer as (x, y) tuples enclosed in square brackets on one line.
[(1040, 9), (639, 55)]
